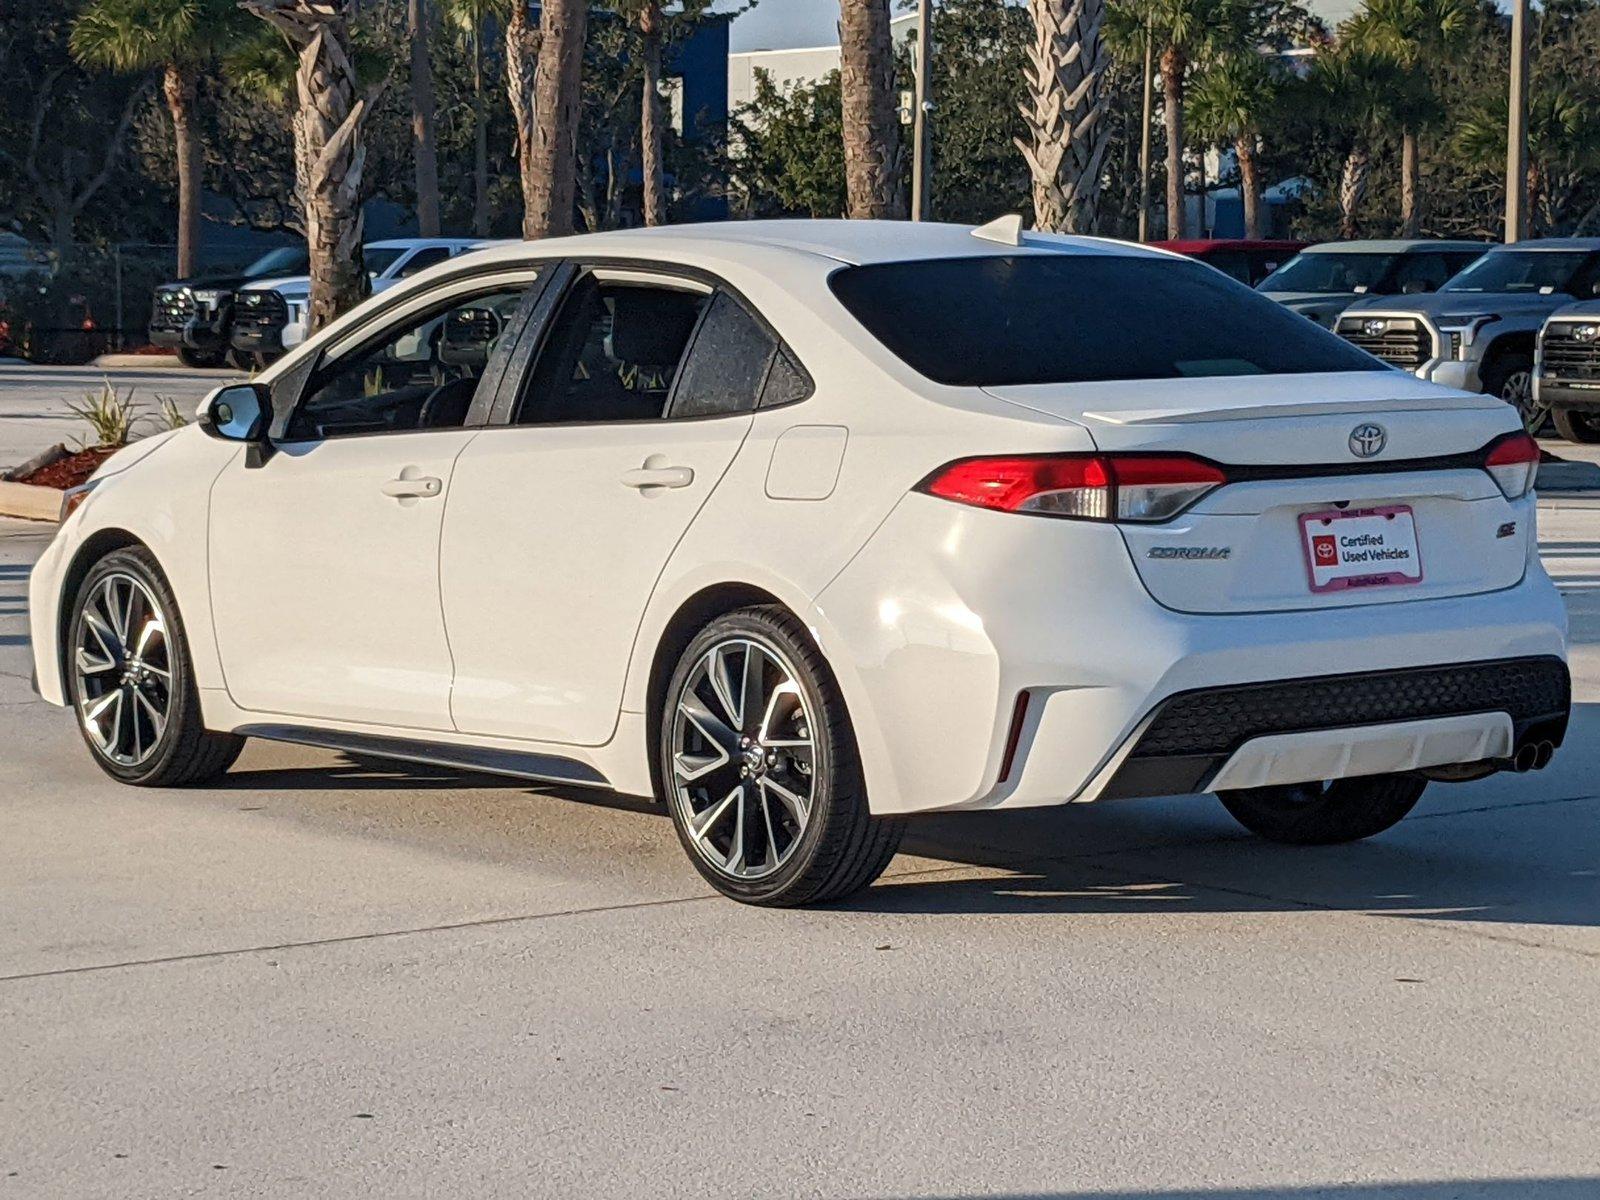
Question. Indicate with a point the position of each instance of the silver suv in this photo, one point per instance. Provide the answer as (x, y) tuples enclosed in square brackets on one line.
[(1323, 280), (1478, 331), (1566, 370)]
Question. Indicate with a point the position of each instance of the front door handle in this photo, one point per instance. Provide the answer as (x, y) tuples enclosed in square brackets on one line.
[(657, 472), (423, 486)]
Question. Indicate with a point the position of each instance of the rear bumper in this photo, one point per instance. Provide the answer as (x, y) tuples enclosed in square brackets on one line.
[(1193, 740), (949, 614)]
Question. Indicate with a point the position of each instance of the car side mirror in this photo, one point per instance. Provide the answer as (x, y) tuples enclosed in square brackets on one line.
[(1412, 287), (240, 412)]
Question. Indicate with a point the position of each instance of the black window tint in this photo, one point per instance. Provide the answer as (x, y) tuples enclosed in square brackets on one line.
[(420, 375), (1461, 261), (1231, 263), (787, 382), (422, 260), (727, 365), (1075, 318), (612, 354)]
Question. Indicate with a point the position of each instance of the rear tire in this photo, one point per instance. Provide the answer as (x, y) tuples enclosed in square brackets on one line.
[(1576, 425), (1324, 814), (759, 767), (131, 682)]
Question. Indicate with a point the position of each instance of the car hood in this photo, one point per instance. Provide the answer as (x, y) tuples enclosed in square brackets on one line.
[(1583, 308), (225, 283), (1448, 307), (1321, 307), (290, 287)]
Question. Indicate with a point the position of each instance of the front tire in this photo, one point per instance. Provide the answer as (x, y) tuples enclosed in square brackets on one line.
[(1510, 376), (1324, 814), (200, 359), (131, 681), (760, 770), (1577, 425)]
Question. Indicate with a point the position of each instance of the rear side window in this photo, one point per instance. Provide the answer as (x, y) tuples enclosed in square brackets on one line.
[(727, 364), (1081, 318)]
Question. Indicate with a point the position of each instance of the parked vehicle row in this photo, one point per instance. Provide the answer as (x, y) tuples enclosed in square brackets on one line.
[(1510, 321), (803, 527), (253, 316)]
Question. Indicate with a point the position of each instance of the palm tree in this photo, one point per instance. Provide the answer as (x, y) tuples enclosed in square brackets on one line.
[(177, 37), (1230, 103), (558, 80), (1411, 35), (470, 16), (871, 128), (1354, 91), (1181, 30), (424, 145), (522, 56), (334, 114), (1065, 112), (264, 66), (1563, 148)]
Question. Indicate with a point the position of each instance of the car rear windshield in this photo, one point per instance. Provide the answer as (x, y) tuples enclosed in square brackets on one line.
[(1078, 318)]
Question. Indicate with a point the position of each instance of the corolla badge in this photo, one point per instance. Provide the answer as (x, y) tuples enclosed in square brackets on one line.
[(1373, 326), (1368, 440)]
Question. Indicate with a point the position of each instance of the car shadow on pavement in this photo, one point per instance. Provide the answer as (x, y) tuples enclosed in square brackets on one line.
[(1564, 1187)]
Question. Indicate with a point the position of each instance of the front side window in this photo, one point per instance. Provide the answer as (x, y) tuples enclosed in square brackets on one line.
[(1079, 318), (422, 375), (422, 260), (613, 353), (379, 259)]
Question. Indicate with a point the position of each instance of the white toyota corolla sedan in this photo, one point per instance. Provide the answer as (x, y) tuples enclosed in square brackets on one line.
[(805, 526)]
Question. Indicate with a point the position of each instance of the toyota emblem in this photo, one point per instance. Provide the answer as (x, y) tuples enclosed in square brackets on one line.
[(1373, 328), (1368, 440)]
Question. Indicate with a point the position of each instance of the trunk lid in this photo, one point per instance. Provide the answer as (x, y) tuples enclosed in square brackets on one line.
[(1247, 546)]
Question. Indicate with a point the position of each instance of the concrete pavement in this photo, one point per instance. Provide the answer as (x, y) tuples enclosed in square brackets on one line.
[(33, 400), (332, 977)]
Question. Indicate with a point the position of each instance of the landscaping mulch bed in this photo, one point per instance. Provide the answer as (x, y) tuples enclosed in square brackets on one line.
[(70, 471)]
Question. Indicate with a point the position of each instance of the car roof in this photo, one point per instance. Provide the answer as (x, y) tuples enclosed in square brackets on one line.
[(851, 242), (418, 242), (1569, 243), (1394, 246), (1201, 245)]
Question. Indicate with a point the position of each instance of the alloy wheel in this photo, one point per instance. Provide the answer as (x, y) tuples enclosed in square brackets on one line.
[(1517, 390), (122, 670), (743, 758)]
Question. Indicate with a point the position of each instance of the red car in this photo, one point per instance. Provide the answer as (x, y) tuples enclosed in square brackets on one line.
[(1247, 260)]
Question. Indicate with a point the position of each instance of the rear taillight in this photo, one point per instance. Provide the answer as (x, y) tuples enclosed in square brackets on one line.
[(1084, 487), (1513, 461)]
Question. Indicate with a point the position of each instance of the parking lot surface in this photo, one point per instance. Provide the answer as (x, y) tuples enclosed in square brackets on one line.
[(336, 977), (34, 412)]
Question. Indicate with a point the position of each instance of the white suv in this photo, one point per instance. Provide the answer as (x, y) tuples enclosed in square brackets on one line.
[(271, 315), (803, 527)]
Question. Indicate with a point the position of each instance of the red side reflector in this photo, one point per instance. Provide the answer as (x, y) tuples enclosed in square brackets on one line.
[(1019, 715)]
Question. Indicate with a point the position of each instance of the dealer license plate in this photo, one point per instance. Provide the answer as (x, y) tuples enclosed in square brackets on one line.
[(1361, 547)]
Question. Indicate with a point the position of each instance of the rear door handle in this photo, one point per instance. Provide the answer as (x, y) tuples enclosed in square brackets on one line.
[(657, 473), (426, 485)]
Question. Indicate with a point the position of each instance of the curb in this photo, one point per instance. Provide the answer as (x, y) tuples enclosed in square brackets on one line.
[(30, 501), (156, 362)]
